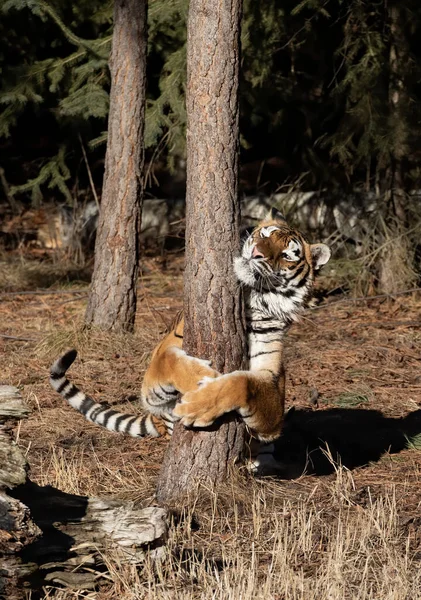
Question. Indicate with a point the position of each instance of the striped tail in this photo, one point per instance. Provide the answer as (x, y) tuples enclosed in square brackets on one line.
[(114, 420)]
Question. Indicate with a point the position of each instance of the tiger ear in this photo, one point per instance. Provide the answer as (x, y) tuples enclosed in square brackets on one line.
[(320, 254), (275, 215)]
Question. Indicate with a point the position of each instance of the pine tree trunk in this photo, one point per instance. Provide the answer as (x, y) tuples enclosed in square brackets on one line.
[(214, 321), (112, 300), (394, 264), (399, 103)]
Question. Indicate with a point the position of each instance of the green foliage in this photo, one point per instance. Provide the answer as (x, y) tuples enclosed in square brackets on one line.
[(61, 79), (413, 442), (90, 100), (318, 87), (166, 112), (373, 127), (55, 172), (72, 83), (352, 399)]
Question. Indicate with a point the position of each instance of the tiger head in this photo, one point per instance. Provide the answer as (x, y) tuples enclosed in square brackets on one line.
[(276, 258)]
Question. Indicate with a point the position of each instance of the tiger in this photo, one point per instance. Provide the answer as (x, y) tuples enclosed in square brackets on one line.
[(276, 268)]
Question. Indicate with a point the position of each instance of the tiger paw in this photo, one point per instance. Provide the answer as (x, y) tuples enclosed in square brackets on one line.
[(213, 398)]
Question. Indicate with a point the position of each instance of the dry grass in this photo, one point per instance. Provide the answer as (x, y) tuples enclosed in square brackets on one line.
[(20, 273), (267, 543), (350, 534), (383, 262)]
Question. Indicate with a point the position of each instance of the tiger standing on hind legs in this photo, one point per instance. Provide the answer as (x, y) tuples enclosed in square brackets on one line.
[(277, 269)]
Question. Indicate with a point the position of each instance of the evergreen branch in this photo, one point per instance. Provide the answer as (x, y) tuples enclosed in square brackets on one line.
[(90, 100), (98, 141), (72, 58), (42, 7), (70, 36), (55, 171)]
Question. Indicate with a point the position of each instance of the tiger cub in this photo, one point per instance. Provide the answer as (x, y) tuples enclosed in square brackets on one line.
[(277, 268)]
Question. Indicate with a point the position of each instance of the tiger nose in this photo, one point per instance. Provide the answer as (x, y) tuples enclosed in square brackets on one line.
[(256, 253)]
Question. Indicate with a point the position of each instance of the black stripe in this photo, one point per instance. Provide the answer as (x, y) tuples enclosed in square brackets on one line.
[(266, 319), (87, 404), (267, 286), (297, 272), (72, 391), (108, 416), (143, 430), (268, 341), (173, 392), (57, 374), (119, 420), (265, 352), (67, 360), (264, 302), (63, 385), (158, 395), (270, 371), (129, 424), (96, 412), (287, 293), (302, 282), (264, 330), (166, 419)]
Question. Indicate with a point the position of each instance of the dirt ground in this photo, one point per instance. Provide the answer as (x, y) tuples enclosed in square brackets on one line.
[(353, 376)]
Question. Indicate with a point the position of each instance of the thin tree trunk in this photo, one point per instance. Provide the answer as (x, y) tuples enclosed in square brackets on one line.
[(399, 102), (394, 266), (214, 321), (112, 300)]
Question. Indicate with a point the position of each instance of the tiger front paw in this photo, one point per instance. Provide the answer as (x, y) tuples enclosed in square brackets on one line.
[(213, 398)]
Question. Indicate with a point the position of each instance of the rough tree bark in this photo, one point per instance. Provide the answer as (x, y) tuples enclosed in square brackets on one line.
[(112, 300), (214, 321)]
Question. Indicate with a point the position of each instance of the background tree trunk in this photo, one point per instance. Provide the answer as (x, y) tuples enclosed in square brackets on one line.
[(399, 101), (395, 263), (214, 321), (112, 300)]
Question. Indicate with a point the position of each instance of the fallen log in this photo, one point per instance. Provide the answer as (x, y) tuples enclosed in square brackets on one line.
[(50, 537)]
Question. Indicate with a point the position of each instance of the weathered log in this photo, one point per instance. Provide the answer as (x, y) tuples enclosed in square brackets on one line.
[(11, 403), (17, 529), (47, 535), (13, 466), (77, 531)]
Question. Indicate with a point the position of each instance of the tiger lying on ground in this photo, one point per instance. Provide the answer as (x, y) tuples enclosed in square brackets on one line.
[(277, 267)]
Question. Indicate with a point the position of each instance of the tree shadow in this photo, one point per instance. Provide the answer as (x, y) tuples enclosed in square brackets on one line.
[(48, 507), (314, 442)]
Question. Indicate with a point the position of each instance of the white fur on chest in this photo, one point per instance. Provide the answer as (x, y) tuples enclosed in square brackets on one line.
[(277, 305)]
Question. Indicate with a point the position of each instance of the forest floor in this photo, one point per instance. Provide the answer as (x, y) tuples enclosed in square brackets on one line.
[(343, 521)]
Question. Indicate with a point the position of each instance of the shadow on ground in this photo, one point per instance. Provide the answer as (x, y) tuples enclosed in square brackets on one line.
[(50, 509), (49, 506), (314, 442)]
